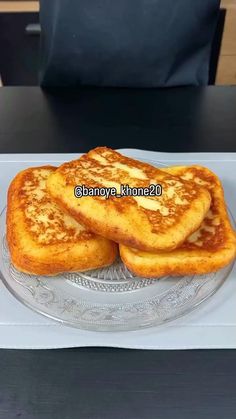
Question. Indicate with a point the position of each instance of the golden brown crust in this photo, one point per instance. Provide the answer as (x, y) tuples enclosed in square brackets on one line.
[(176, 263), (210, 248), (42, 239), (156, 223)]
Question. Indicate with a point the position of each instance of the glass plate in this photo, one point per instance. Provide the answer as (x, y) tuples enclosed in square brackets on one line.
[(108, 299)]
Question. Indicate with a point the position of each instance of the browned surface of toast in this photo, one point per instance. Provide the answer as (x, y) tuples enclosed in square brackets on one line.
[(42, 239), (147, 223), (208, 249)]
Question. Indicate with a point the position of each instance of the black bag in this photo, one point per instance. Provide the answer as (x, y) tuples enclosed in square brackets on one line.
[(138, 43)]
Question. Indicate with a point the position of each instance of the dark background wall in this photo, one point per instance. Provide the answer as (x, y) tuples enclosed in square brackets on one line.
[(19, 51)]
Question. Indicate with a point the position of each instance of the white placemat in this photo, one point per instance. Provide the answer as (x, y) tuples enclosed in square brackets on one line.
[(212, 325)]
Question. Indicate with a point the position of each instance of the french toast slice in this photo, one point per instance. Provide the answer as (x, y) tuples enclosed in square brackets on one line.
[(42, 239), (208, 249), (146, 223)]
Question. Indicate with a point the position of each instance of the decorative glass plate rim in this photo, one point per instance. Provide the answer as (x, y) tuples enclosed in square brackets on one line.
[(85, 325), (121, 328)]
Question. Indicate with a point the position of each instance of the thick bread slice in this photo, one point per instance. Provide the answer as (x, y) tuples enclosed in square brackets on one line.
[(42, 239), (146, 223), (210, 248)]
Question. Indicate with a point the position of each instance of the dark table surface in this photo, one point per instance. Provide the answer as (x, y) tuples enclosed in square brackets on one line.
[(191, 119), (100, 383)]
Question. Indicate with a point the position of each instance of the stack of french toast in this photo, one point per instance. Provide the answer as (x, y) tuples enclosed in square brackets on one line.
[(185, 230)]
